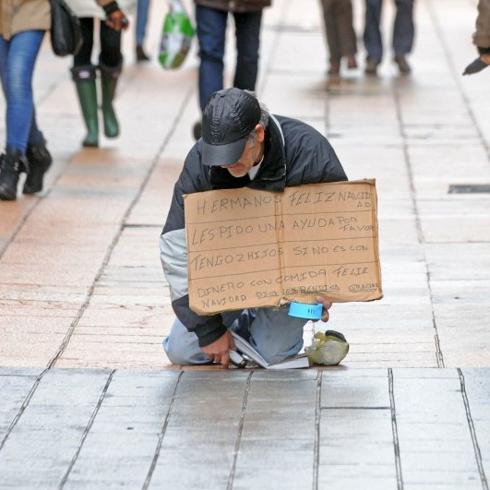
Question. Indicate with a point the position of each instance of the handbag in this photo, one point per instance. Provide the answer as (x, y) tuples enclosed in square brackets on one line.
[(66, 33)]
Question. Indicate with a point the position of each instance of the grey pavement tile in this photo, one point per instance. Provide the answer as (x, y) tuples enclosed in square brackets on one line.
[(476, 383), (15, 386), (287, 463), (473, 261), (203, 402), (356, 445), (125, 431), (59, 409), (434, 405), (353, 389)]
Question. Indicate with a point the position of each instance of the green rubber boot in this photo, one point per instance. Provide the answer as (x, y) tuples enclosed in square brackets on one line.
[(108, 79), (84, 78)]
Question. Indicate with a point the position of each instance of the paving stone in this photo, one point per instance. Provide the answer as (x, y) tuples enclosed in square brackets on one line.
[(202, 401), (125, 431), (444, 456), (51, 428), (476, 384), (367, 388)]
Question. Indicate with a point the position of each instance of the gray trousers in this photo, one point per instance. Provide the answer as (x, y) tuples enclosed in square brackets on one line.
[(273, 333), (341, 37)]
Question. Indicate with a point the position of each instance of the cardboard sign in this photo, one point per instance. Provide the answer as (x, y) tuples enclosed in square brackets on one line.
[(250, 248)]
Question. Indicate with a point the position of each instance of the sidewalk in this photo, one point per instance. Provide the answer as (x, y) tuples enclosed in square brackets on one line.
[(81, 287)]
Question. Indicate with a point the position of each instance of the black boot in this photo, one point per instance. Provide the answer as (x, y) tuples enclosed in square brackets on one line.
[(11, 166), (140, 54), (39, 160)]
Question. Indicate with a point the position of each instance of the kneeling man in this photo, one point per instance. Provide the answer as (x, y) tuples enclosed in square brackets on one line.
[(242, 145)]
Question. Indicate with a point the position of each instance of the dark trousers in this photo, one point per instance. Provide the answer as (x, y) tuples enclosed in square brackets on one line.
[(341, 37), (110, 45), (403, 29), (211, 30)]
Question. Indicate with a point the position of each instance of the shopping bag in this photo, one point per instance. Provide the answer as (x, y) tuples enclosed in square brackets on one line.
[(177, 34)]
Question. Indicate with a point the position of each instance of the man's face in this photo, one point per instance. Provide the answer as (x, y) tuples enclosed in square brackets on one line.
[(251, 155)]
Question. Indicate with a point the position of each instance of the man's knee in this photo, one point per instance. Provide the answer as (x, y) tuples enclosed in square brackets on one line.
[(276, 335), (175, 353), (182, 347)]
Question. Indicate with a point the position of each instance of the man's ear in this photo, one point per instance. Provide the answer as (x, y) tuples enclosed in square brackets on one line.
[(260, 132)]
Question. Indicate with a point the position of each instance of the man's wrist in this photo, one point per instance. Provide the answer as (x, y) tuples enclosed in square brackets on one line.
[(111, 7)]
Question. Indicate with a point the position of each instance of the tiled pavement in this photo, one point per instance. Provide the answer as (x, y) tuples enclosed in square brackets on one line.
[(81, 287), (340, 429)]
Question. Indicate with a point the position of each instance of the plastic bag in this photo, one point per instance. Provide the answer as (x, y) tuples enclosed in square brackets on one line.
[(328, 348), (177, 34)]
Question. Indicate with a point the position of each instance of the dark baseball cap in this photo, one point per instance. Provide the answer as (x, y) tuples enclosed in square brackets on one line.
[(227, 121)]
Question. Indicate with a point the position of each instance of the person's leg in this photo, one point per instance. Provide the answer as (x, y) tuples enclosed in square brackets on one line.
[(39, 159), (110, 64), (331, 35), (211, 28), (372, 34), (83, 74), (247, 31), (403, 33), (347, 36), (36, 136), (19, 59), (275, 334), (182, 346), (37, 154), (84, 54), (141, 22), (22, 54)]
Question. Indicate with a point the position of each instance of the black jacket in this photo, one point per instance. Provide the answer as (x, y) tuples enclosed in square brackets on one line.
[(294, 154)]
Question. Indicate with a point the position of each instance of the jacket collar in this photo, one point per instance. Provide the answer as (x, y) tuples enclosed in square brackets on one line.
[(272, 173)]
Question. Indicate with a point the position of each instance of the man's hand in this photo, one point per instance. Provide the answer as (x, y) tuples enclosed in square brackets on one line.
[(117, 20), (219, 350), (327, 304)]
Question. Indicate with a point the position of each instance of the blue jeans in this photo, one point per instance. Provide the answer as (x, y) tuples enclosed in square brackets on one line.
[(17, 59), (403, 29), (273, 333), (211, 30), (141, 20)]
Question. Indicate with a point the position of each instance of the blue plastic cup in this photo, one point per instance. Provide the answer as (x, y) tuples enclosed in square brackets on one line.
[(306, 311)]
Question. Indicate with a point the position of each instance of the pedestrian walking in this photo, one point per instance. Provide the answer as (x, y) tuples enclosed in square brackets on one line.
[(23, 24), (341, 38), (211, 20), (403, 35), (481, 38), (142, 8), (109, 65), (242, 145)]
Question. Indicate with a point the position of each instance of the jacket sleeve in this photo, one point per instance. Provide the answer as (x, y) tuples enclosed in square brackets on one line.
[(481, 37), (173, 256)]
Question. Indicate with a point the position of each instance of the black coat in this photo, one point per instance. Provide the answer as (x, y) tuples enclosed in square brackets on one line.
[(304, 156)]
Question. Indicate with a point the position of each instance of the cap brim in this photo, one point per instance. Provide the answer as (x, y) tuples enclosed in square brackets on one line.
[(215, 155)]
